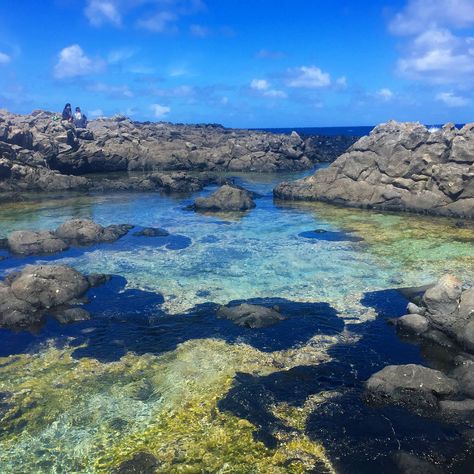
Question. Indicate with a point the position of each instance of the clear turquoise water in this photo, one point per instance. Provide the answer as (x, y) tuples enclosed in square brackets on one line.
[(209, 258)]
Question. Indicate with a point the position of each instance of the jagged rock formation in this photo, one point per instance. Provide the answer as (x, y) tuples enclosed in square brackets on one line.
[(120, 144), (399, 166), (27, 296), (443, 315)]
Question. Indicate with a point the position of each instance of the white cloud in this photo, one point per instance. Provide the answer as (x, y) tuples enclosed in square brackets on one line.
[(96, 113), (435, 51), (99, 12), (160, 111), (420, 15), (263, 87), (259, 84), (385, 94), (199, 31), (111, 90), (73, 62), (161, 22), (269, 54), (119, 55), (438, 56), (341, 82), (178, 91), (309, 77), (452, 100), (4, 58)]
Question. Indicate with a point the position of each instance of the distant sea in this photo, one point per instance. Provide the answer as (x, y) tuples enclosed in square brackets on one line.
[(327, 131), (334, 131)]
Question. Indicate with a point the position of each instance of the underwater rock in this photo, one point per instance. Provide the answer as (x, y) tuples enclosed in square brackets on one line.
[(25, 242), (27, 296), (411, 385), (410, 464), (141, 463), (70, 315), (86, 232), (151, 232), (226, 198), (398, 167), (412, 323), (250, 315)]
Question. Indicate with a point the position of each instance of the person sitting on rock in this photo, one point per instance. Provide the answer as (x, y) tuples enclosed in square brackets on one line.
[(80, 120), (67, 113)]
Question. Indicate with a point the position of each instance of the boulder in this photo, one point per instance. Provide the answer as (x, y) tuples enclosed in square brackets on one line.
[(86, 232), (45, 286), (414, 386), (413, 324), (27, 296), (226, 198), (399, 167), (25, 242), (250, 315)]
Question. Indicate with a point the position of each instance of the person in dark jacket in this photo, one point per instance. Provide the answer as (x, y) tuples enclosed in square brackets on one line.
[(67, 113), (80, 120)]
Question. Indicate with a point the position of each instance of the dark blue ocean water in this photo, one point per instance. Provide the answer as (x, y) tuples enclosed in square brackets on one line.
[(326, 131), (335, 131)]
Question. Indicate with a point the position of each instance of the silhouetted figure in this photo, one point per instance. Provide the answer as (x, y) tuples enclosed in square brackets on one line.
[(67, 113), (80, 120)]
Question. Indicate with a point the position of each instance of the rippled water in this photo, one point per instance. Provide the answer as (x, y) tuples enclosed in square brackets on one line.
[(156, 372)]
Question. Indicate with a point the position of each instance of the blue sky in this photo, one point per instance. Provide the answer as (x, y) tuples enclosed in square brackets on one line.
[(242, 63)]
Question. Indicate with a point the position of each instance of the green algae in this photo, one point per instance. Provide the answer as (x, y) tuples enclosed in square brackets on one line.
[(81, 415), (416, 242)]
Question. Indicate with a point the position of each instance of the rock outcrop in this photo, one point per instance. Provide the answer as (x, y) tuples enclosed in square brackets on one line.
[(78, 232), (409, 385), (226, 198), (250, 315), (41, 141), (445, 314), (400, 167), (26, 297)]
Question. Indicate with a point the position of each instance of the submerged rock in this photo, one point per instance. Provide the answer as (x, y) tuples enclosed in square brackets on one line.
[(141, 463), (411, 385), (410, 464), (399, 166), (226, 198), (251, 315), (151, 232), (26, 297)]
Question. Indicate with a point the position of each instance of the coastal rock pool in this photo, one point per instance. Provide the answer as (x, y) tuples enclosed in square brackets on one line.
[(157, 383)]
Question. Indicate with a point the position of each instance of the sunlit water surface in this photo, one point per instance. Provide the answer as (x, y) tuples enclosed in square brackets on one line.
[(155, 371)]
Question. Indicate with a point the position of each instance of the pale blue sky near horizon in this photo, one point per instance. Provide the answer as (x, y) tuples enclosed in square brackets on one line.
[(240, 63)]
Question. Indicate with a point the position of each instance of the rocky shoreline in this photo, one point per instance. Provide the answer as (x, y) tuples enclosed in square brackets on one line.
[(39, 152), (443, 317), (398, 167)]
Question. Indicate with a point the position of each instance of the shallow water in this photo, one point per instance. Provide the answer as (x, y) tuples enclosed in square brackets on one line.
[(155, 370)]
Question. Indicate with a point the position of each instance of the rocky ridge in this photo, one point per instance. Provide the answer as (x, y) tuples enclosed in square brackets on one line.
[(399, 167), (444, 315), (40, 152)]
